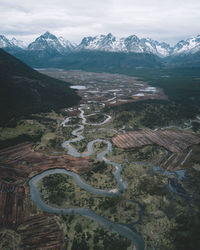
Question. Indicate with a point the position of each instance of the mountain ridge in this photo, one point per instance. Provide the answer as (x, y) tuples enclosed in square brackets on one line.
[(109, 43), (24, 91)]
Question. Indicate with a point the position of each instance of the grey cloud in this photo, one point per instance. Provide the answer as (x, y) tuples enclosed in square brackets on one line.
[(163, 20)]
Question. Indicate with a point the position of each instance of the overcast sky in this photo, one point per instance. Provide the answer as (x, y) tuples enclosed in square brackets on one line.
[(167, 20)]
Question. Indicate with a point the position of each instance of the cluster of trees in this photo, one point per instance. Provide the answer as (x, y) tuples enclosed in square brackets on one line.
[(151, 113), (54, 184), (110, 202), (110, 240), (101, 240), (182, 87), (95, 118), (99, 166), (185, 234)]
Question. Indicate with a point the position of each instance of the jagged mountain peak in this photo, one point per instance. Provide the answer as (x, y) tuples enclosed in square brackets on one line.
[(188, 46), (66, 44), (48, 42), (48, 35), (104, 42), (132, 38), (12, 44), (51, 43), (126, 44), (101, 42), (3, 37), (110, 36), (4, 42), (18, 43)]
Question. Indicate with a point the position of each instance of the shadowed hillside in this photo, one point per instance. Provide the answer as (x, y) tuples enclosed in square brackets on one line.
[(24, 91)]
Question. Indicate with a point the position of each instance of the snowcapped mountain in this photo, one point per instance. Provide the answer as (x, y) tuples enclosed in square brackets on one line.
[(47, 41), (147, 45), (189, 46), (134, 44), (155, 47), (128, 44), (67, 44), (4, 42), (50, 42), (53, 45), (18, 43), (101, 42), (12, 44)]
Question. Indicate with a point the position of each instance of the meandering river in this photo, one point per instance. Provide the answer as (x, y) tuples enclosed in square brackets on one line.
[(35, 194)]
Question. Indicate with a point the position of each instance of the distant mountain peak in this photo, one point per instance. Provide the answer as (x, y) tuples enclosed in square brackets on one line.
[(126, 44), (12, 44), (4, 42), (104, 42), (67, 44), (47, 41), (18, 43), (188, 46), (48, 35), (110, 35), (52, 44), (132, 37)]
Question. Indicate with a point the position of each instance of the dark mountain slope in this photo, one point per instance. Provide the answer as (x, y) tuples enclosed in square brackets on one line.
[(89, 60), (103, 61), (24, 90), (183, 60)]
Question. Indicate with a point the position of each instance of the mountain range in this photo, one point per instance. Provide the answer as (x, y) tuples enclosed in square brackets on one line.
[(108, 43), (104, 53)]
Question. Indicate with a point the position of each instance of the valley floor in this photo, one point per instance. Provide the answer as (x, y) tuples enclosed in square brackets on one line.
[(138, 183)]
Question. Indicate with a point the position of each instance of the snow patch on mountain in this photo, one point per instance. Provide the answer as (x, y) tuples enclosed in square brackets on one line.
[(4, 42), (50, 42), (101, 42), (131, 44), (12, 44), (191, 45), (18, 43), (67, 44), (126, 44)]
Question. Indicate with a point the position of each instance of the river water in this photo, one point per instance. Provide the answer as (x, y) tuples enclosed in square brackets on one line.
[(117, 168), (118, 228)]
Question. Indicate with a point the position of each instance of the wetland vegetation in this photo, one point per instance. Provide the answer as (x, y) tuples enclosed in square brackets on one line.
[(147, 204)]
